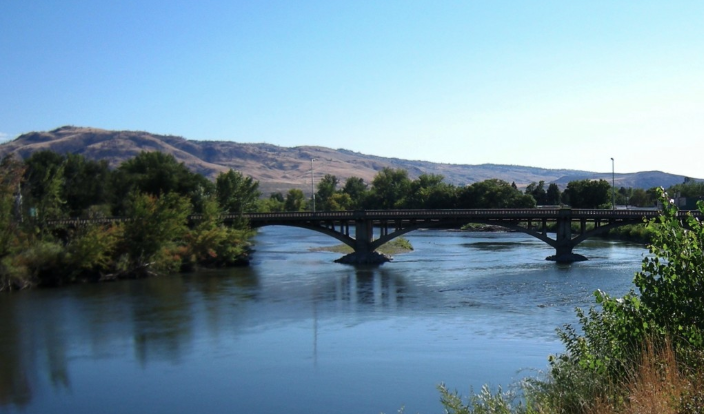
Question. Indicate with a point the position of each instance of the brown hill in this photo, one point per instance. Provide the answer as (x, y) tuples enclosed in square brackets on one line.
[(281, 168)]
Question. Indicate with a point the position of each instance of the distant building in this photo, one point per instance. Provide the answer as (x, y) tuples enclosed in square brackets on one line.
[(687, 203)]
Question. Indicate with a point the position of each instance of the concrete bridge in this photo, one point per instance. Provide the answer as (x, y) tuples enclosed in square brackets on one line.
[(364, 231), (357, 228)]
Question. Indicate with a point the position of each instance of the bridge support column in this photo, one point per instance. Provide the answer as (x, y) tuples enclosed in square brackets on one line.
[(564, 245), (364, 234), (363, 254)]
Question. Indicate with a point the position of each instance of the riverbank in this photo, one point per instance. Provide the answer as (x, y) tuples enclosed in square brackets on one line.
[(465, 308)]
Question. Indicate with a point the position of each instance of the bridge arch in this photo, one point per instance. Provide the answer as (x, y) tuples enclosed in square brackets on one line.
[(509, 225), (349, 241), (598, 230)]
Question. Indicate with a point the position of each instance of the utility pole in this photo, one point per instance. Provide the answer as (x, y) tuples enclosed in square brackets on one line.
[(312, 183), (613, 189)]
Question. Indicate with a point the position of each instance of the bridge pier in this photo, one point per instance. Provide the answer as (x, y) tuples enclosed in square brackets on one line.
[(564, 244), (364, 253)]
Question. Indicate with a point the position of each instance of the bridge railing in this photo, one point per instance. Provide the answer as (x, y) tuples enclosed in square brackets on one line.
[(511, 214)]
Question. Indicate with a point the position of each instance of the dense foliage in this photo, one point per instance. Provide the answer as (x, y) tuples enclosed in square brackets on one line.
[(640, 353), (156, 192), (394, 189), (155, 188)]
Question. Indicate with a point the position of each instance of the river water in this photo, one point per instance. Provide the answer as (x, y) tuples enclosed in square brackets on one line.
[(296, 333)]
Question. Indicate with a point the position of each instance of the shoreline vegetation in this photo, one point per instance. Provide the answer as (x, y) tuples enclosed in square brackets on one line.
[(158, 195), (159, 192), (640, 353)]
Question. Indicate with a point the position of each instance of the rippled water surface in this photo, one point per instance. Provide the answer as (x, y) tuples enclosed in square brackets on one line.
[(296, 333)]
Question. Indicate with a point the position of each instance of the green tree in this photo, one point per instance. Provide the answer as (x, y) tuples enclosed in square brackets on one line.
[(389, 189), (85, 184), (211, 243), (157, 173), (327, 186), (151, 236), (640, 198), (553, 195), (537, 190), (588, 194), (236, 193), (89, 254), (689, 189), (357, 190), (429, 191), (295, 200), (11, 172), (339, 201), (44, 179), (273, 204), (493, 193)]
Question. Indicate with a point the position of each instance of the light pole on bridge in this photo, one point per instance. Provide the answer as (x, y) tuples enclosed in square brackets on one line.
[(613, 189), (312, 183)]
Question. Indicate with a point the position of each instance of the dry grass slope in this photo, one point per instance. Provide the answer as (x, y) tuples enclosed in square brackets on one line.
[(281, 168)]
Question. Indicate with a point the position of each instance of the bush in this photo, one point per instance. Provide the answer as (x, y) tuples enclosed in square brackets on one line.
[(212, 244), (151, 237), (668, 304), (642, 353)]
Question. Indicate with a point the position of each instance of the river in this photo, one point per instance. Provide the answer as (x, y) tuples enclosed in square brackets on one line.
[(296, 333)]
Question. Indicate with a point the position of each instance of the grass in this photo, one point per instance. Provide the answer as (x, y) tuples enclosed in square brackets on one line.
[(398, 245), (660, 382)]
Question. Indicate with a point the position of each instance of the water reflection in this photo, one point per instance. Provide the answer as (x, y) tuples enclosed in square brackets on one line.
[(300, 323), (14, 381), (366, 287)]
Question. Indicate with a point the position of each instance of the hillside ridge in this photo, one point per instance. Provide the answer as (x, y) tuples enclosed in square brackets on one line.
[(281, 168)]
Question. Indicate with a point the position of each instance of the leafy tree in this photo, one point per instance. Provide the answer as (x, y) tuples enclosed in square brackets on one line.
[(90, 253), (11, 172), (552, 195), (429, 191), (494, 193), (277, 196), (389, 189), (357, 190), (537, 190), (339, 201), (236, 193), (157, 173), (84, 183), (152, 234), (327, 186), (689, 189), (295, 200), (588, 194), (640, 198), (44, 177), (274, 203), (211, 243)]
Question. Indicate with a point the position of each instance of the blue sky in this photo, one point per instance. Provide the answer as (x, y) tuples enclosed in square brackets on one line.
[(554, 84)]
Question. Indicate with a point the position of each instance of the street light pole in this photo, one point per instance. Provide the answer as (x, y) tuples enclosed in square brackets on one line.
[(613, 189), (312, 183)]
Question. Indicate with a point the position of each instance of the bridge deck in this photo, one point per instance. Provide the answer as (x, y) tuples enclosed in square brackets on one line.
[(525, 214)]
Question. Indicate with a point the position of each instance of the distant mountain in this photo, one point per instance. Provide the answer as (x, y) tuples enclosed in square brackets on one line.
[(281, 168)]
